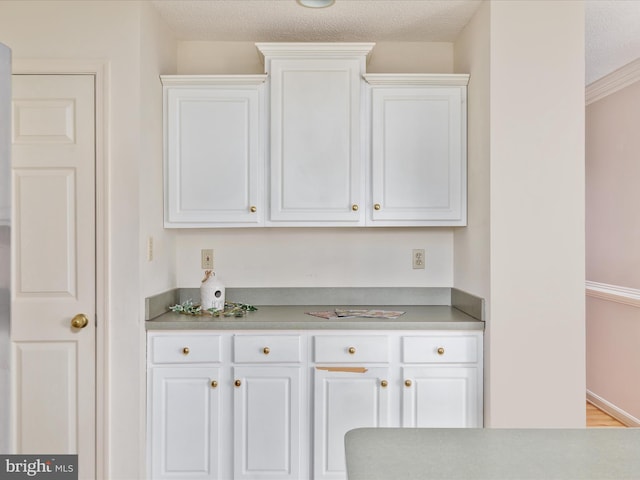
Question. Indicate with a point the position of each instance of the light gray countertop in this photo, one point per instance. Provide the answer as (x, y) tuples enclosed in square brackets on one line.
[(493, 454), (294, 317)]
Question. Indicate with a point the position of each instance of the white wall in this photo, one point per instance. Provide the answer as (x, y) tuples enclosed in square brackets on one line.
[(537, 325), (242, 57), (613, 247), (268, 257), (317, 257), (471, 244), (158, 56)]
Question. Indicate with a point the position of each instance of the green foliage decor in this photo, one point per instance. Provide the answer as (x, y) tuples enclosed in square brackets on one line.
[(230, 309)]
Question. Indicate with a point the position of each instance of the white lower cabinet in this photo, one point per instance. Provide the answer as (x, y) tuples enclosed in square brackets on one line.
[(277, 404), (440, 397), (344, 400), (185, 421), (266, 427)]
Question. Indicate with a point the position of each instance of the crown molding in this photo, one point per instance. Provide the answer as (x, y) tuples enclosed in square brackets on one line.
[(233, 80), (413, 79), (617, 80), (613, 293), (317, 50)]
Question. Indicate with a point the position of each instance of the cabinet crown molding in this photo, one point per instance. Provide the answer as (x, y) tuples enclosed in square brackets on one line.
[(317, 50), (412, 79), (193, 80)]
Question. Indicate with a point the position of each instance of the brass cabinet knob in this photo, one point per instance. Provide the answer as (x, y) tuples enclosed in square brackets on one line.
[(79, 321), (253, 209), (440, 351), (354, 207), (384, 384), (186, 350), (237, 383), (214, 384), (266, 350), (351, 350), (407, 383), (376, 206)]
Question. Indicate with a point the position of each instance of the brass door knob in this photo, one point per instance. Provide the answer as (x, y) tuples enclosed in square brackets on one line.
[(354, 207), (214, 384), (266, 350), (407, 383), (253, 209), (237, 383), (351, 350), (79, 321), (440, 351), (376, 206), (186, 350), (384, 384)]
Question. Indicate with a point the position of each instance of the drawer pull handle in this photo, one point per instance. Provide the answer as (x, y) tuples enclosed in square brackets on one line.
[(237, 383), (186, 350), (407, 383), (376, 206), (351, 350), (253, 209), (354, 207), (214, 384), (266, 350), (384, 384), (440, 351)]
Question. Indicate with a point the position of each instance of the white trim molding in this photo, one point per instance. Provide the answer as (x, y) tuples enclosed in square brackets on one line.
[(613, 293), (208, 80), (611, 409), (420, 79), (617, 80)]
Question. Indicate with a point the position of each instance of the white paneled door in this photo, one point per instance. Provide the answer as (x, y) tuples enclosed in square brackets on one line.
[(53, 303)]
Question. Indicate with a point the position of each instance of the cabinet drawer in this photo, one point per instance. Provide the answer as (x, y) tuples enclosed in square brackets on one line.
[(185, 349), (351, 348), (440, 349), (267, 349)]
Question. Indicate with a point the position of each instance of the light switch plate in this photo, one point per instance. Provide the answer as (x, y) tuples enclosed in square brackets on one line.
[(207, 259)]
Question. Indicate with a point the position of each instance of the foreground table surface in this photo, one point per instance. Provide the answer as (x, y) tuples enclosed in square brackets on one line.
[(495, 454)]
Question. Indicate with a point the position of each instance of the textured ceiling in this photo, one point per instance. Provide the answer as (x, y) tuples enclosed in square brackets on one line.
[(612, 26), (345, 21), (612, 35)]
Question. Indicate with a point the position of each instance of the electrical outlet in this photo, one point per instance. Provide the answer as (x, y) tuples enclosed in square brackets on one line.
[(207, 259), (419, 259)]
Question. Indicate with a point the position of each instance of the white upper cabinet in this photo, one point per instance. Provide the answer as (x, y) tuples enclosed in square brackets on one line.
[(418, 150), (316, 141), (214, 150), (316, 162)]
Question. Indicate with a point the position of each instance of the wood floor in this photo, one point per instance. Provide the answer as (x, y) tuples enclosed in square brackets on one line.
[(598, 418)]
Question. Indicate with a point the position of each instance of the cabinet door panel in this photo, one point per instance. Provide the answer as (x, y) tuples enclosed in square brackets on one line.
[(184, 429), (316, 171), (418, 157), (213, 167), (267, 422), (343, 401), (440, 397)]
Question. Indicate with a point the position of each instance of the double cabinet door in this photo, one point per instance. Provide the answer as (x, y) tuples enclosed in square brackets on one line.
[(277, 406)]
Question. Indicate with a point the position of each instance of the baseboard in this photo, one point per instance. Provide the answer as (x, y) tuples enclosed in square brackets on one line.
[(611, 409)]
